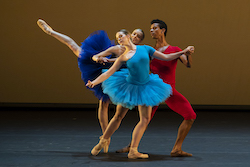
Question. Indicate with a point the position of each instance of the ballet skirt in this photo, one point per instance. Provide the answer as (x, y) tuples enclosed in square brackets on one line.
[(135, 86), (95, 43)]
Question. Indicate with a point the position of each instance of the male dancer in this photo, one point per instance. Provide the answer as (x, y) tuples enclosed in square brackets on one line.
[(166, 70)]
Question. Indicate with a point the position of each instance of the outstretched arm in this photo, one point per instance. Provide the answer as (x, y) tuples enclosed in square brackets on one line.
[(107, 74), (172, 56)]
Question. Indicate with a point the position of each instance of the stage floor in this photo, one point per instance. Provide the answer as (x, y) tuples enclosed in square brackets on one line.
[(50, 138)]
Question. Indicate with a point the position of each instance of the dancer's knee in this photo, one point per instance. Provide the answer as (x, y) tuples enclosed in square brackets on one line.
[(103, 104), (190, 121), (145, 120), (118, 117), (74, 47)]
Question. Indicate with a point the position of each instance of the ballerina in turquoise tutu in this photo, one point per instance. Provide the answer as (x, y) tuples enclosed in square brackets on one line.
[(91, 67), (134, 87)]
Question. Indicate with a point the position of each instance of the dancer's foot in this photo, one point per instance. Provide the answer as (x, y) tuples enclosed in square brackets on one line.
[(124, 150), (106, 147), (134, 154), (180, 153), (102, 143), (44, 26)]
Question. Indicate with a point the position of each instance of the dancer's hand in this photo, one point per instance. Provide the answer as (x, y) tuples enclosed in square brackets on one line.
[(90, 84), (102, 60), (189, 50)]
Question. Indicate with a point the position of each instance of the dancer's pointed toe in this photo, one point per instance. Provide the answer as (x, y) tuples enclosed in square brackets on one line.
[(106, 147), (44, 26), (102, 143)]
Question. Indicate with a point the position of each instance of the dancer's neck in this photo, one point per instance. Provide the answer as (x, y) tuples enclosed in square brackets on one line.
[(130, 47), (160, 42)]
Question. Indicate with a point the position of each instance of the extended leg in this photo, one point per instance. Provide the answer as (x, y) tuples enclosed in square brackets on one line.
[(112, 127), (61, 37), (115, 121)]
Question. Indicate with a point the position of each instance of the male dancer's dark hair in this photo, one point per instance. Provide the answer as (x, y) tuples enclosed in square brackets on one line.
[(162, 25)]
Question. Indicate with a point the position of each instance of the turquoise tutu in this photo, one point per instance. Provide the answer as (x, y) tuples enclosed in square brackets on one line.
[(130, 95)]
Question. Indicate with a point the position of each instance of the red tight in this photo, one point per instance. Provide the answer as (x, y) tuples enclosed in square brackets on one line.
[(179, 104)]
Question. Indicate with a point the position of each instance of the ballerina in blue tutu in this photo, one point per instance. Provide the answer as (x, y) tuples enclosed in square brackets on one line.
[(92, 67), (135, 87)]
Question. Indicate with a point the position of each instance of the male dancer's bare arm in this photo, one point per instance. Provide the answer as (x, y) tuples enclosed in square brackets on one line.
[(186, 59)]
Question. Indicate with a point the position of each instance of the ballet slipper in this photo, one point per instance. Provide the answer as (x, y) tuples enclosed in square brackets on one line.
[(102, 143), (124, 150), (180, 153), (44, 26), (106, 147), (134, 154)]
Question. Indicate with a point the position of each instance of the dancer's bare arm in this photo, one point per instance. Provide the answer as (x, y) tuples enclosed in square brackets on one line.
[(111, 60), (118, 63), (186, 59), (172, 56), (100, 57)]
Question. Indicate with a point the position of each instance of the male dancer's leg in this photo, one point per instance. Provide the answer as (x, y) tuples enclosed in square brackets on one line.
[(179, 104)]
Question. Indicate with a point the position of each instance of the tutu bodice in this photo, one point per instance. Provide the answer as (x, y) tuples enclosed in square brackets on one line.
[(138, 65)]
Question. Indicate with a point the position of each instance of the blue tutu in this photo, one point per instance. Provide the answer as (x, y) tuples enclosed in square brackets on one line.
[(96, 42), (130, 95)]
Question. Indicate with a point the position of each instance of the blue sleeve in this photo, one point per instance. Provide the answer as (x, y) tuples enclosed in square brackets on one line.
[(150, 50)]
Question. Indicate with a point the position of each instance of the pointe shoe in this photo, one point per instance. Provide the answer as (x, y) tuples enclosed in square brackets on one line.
[(134, 154), (180, 153), (102, 143), (44, 26), (106, 147)]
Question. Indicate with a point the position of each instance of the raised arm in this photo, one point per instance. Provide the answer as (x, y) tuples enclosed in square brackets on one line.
[(172, 56), (107, 74)]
